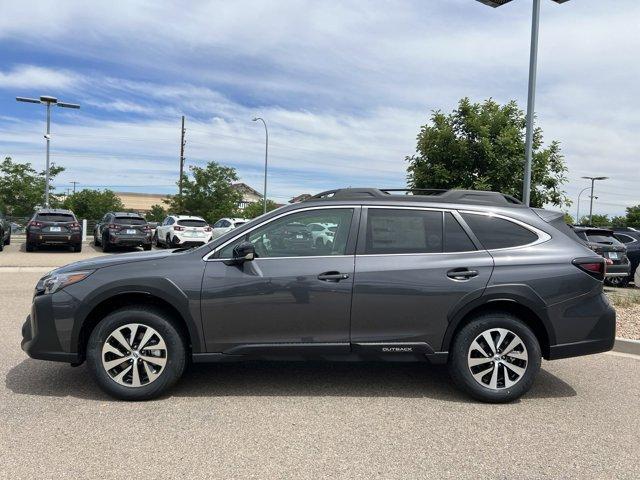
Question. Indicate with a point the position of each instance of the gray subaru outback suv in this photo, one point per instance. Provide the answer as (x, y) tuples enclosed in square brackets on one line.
[(472, 279)]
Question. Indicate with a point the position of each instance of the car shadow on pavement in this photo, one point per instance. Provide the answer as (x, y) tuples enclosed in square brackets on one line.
[(291, 379)]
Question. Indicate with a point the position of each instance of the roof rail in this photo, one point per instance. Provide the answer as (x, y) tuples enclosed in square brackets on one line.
[(480, 197)]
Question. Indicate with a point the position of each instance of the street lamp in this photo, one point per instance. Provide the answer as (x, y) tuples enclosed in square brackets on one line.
[(48, 101), (266, 155), (593, 180), (578, 209), (531, 97)]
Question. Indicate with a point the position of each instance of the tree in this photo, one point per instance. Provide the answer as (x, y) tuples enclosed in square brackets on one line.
[(156, 214), (633, 216), (93, 204), (22, 187), (568, 219), (481, 146), (619, 221), (256, 209), (597, 220), (209, 194)]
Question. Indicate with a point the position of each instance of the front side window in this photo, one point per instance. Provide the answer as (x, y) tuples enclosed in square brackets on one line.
[(495, 232), (290, 236), (392, 231)]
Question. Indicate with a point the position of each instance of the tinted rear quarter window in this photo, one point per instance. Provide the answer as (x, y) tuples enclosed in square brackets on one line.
[(55, 217), (494, 232), (403, 231)]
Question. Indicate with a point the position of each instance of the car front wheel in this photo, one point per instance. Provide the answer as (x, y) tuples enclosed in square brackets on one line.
[(495, 358), (136, 353)]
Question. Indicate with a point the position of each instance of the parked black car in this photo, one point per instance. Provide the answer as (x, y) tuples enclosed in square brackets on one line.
[(122, 229), (5, 231), (476, 280), (631, 239), (603, 242), (53, 226)]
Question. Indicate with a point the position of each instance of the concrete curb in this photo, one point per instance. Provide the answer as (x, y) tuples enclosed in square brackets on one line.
[(624, 345)]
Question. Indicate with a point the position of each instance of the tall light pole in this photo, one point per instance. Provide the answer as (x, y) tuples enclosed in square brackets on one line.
[(578, 209), (531, 96), (593, 181), (48, 101), (266, 156)]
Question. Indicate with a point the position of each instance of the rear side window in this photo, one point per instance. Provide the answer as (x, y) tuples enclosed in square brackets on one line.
[(403, 231), (129, 221), (494, 232), (620, 236), (192, 223), (455, 238), (55, 217)]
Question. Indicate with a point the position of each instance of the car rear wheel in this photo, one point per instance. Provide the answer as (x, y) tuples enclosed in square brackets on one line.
[(136, 353), (77, 248), (30, 247), (617, 282), (155, 241), (8, 242), (495, 358), (169, 243), (146, 248)]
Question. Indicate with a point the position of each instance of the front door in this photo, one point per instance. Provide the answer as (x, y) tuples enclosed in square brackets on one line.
[(413, 266), (293, 298)]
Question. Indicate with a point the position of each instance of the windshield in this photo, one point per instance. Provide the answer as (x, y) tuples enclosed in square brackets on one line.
[(130, 221), (55, 217), (192, 223)]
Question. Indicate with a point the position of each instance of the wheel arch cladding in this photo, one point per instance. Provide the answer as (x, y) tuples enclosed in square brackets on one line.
[(131, 299), (532, 315)]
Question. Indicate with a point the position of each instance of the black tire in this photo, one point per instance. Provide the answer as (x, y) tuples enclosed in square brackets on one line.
[(147, 316), (106, 246), (617, 282), (30, 247), (2, 242), (96, 242), (461, 372), (77, 248), (169, 243), (155, 241), (8, 242), (146, 248)]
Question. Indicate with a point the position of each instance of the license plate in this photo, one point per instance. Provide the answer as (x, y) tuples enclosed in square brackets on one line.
[(130, 231), (55, 229), (613, 255), (299, 237)]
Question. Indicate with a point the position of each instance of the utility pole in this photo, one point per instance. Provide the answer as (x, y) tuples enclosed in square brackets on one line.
[(266, 156), (74, 186), (182, 143)]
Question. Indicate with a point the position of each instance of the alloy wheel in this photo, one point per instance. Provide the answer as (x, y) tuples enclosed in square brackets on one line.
[(134, 355), (497, 358)]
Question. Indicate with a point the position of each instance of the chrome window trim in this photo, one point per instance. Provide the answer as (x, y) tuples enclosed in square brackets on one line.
[(542, 236), (207, 258)]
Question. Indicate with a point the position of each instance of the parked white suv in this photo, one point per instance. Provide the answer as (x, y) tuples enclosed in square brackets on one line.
[(225, 225), (182, 231), (322, 233)]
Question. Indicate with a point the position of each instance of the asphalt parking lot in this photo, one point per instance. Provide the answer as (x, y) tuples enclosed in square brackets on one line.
[(317, 420)]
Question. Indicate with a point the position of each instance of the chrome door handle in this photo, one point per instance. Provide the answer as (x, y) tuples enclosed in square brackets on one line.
[(461, 274), (333, 276)]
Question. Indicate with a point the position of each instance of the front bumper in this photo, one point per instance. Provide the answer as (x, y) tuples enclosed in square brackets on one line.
[(47, 331)]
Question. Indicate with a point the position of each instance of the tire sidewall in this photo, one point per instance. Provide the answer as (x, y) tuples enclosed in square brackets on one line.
[(458, 358), (176, 354)]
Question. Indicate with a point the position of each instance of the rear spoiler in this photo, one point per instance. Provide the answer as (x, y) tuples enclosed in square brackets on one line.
[(556, 220), (548, 215)]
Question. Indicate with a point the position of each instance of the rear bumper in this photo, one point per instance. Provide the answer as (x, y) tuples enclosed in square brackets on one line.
[(54, 238), (618, 270), (133, 241), (189, 241), (583, 326)]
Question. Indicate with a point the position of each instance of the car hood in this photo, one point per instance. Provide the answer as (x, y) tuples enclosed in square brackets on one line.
[(111, 260)]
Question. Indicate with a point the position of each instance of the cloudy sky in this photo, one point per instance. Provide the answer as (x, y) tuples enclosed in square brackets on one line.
[(344, 86)]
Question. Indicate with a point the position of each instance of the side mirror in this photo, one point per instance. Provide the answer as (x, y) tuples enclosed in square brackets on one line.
[(243, 252)]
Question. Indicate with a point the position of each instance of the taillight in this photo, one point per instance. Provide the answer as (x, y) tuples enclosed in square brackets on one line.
[(35, 224), (596, 269), (208, 229), (178, 228), (146, 228), (74, 226), (113, 226)]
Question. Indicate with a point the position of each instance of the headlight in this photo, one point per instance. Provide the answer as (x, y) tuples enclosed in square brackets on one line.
[(57, 281)]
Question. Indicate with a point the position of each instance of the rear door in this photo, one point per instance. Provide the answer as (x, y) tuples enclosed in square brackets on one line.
[(413, 266)]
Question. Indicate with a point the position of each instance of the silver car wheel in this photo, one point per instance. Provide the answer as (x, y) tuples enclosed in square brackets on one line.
[(497, 358), (134, 355)]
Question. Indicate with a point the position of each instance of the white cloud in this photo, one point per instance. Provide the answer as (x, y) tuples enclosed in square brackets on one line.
[(24, 77)]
